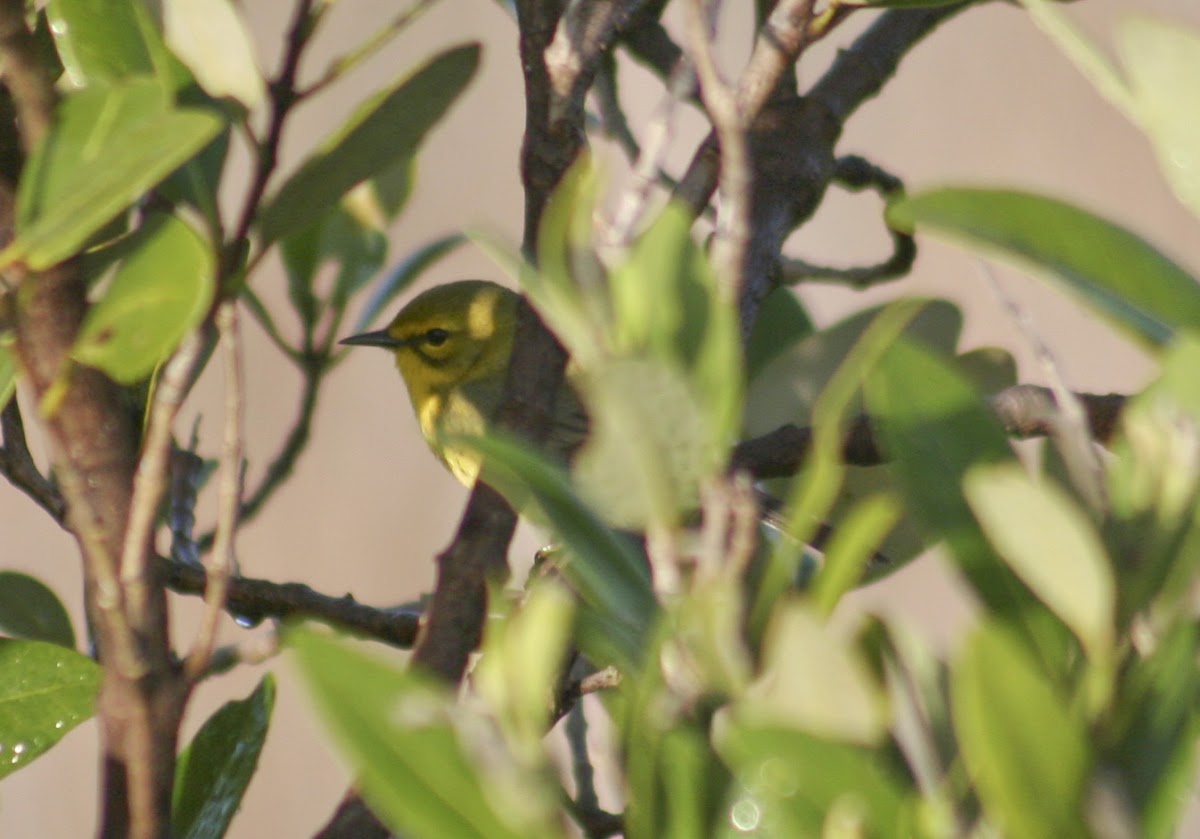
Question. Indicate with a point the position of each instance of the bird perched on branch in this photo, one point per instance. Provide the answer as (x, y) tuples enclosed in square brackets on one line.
[(452, 345)]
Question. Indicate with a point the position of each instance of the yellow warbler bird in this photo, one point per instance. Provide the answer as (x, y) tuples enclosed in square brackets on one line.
[(452, 345)]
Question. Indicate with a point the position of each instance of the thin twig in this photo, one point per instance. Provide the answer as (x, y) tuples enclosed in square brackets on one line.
[(256, 650), (861, 70), (729, 533), (613, 121), (584, 34), (150, 480), (221, 562), (1023, 410), (254, 600), (283, 98), (648, 168), (729, 122), (343, 64), (1069, 425), (582, 770), (16, 463), (855, 174), (571, 690)]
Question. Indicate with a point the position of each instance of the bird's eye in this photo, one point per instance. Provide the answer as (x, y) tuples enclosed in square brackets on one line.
[(436, 337)]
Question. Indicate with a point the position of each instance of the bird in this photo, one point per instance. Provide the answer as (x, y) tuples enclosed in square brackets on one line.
[(452, 345)]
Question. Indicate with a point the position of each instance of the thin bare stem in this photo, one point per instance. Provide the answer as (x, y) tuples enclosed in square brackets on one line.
[(581, 765), (150, 480), (648, 169), (343, 64), (221, 562), (1069, 425), (16, 463), (729, 122), (283, 98), (778, 44)]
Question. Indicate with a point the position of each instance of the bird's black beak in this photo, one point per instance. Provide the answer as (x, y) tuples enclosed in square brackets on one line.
[(379, 338)]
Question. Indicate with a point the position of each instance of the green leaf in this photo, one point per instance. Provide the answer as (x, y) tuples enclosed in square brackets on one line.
[(340, 237), (1117, 273), (567, 286), (693, 783), (8, 376), (197, 181), (815, 491), (108, 146), (403, 275), (1052, 545), (45, 691), (782, 322), (1087, 58), (676, 785), (1027, 752), (99, 40), (522, 659), (650, 445), (160, 292), (904, 4), (793, 781), (935, 427), (667, 305), (384, 131), (30, 610), (359, 250), (706, 626), (44, 48), (1156, 751), (211, 39), (213, 771), (855, 540), (392, 188), (815, 680), (1162, 61), (788, 386), (426, 767), (1153, 483), (603, 566), (662, 293), (84, 123)]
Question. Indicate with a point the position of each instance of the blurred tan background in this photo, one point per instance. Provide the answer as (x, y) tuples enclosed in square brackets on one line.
[(985, 100)]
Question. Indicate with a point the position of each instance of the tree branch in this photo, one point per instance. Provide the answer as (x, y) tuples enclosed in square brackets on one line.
[(91, 440), (253, 601), (284, 96), (16, 463), (1023, 410), (229, 492), (25, 76)]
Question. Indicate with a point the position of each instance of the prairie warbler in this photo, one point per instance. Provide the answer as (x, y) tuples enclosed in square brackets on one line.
[(452, 345)]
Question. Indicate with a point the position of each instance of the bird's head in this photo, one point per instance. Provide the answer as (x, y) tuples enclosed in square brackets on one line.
[(449, 336)]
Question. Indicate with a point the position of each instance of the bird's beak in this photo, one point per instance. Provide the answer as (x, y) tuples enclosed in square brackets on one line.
[(379, 338)]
